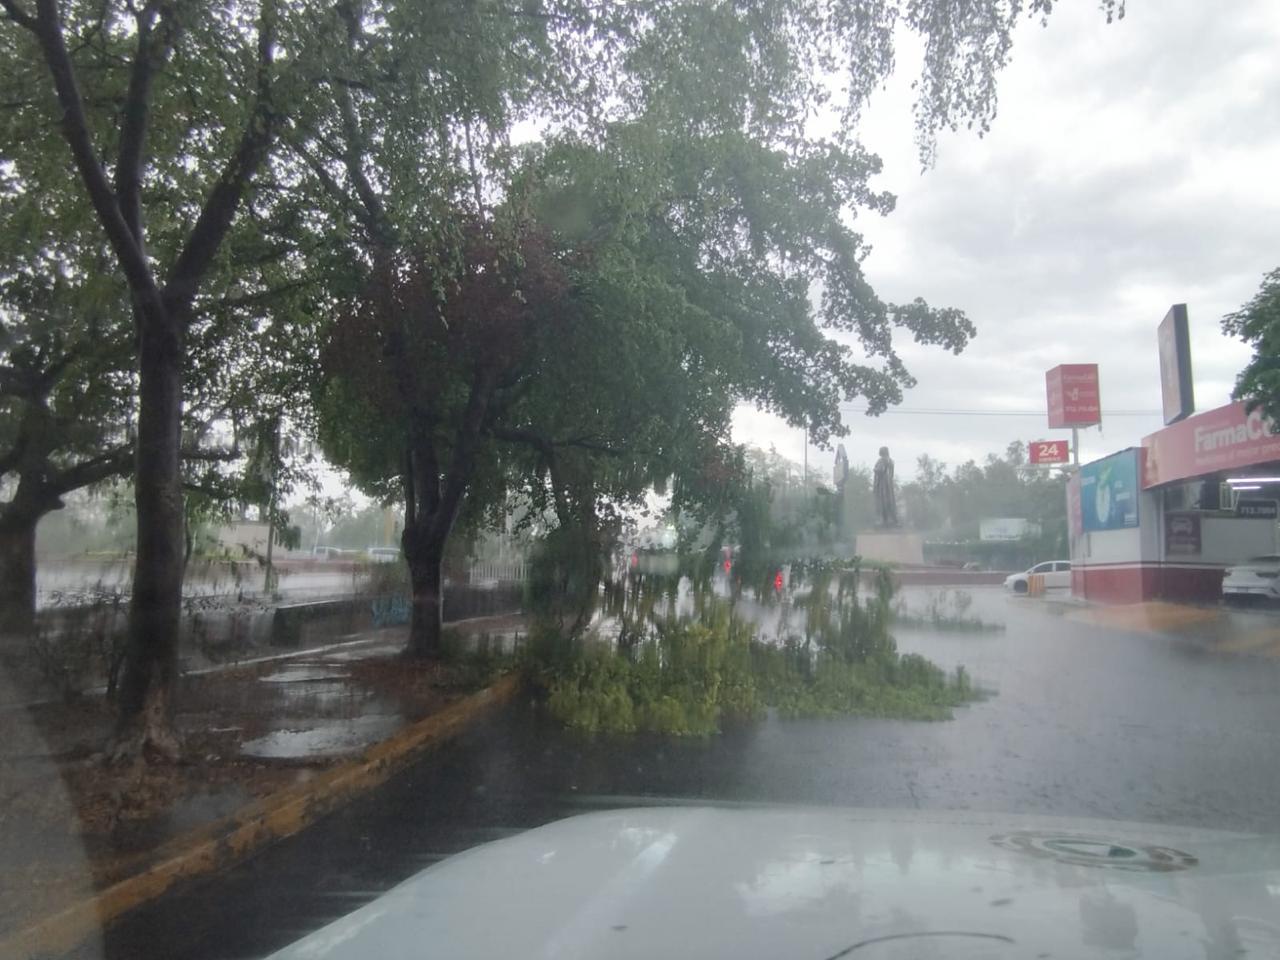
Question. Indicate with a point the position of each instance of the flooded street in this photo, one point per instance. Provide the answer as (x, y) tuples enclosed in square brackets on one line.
[(1084, 719)]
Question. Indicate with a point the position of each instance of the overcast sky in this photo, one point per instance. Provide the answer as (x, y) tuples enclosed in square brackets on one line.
[(1130, 167)]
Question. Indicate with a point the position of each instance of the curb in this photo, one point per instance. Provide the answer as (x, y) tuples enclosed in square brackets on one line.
[(234, 838)]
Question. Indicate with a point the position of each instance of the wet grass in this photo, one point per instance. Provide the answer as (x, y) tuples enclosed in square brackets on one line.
[(946, 611)]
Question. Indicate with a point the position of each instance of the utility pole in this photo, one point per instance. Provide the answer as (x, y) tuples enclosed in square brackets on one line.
[(805, 485)]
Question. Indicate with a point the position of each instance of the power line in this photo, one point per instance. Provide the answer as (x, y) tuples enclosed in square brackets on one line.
[(955, 412)]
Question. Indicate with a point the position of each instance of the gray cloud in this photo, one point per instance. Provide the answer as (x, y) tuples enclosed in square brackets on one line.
[(1131, 167)]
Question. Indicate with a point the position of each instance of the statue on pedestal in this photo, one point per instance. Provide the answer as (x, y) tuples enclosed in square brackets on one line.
[(886, 499)]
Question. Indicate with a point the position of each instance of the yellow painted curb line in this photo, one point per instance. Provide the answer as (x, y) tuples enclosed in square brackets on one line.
[(227, 841)]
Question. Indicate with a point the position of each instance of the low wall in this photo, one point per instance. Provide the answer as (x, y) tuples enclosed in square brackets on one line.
[(1138, 582), (76, 642)]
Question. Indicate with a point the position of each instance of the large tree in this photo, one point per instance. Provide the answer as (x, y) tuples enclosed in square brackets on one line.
[(1257, 323), (166, 110), (420, 367), (680, 188)]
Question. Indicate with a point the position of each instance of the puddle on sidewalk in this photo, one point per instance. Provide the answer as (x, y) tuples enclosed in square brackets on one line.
[(325, 739), (304, 673)]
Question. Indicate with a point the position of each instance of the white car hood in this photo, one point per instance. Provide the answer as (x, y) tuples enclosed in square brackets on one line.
[(820, 884)]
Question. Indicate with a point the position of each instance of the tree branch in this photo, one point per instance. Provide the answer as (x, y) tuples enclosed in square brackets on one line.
[(18, 15), (382, 231), (94, 470), (220, 206), (546, 445), (133, 124), (250, 299), (210, 455), (75, 129), (334, 189)]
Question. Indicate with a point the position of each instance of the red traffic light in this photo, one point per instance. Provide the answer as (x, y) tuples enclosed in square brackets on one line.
[(777, 581)]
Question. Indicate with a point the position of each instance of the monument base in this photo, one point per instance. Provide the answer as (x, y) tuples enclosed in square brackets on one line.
[(890, 546)]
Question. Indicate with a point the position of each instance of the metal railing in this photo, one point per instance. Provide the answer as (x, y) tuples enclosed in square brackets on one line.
[(500, 571)]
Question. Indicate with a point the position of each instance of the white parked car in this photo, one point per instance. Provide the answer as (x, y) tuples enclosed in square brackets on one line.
[(1057, 576), (383, 554), (1259, 577)]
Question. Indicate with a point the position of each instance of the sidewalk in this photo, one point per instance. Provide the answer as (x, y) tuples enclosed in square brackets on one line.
[(1218, 629), (70, 825)]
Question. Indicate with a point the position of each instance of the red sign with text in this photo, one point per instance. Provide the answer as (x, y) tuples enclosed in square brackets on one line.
[(1073, 395), (1223, 439), (1049, 451)]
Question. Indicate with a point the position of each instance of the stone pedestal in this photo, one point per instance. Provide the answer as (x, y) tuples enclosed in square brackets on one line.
[(890, 546)]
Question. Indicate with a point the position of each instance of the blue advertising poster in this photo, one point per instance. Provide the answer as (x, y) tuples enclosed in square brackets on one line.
[(1109, 492)]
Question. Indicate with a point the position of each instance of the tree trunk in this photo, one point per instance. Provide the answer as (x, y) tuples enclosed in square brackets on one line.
[(156, 611), (18, 573), (426, 618)]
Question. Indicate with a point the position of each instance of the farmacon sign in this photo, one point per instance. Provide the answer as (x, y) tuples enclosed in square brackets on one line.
[(1073, 395), (1223, 439)]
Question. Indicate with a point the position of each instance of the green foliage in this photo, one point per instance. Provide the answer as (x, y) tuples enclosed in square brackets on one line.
[(687, 674), (1257, 323), (680, 193)]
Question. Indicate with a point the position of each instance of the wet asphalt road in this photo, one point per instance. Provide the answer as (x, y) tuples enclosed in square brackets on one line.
[(1084, 721)]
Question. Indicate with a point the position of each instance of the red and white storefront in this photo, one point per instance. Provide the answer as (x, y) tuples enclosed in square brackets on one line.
[(1202, 489)]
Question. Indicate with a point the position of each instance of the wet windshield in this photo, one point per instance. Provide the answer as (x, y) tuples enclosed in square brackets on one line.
[(706, 422)]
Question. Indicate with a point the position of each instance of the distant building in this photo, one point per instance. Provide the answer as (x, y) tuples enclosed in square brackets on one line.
[(248, 538)]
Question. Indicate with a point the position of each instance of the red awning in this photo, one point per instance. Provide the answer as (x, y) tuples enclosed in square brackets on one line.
[(1218, 440)]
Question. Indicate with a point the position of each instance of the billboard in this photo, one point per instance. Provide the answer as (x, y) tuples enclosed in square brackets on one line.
[(1073, 396), (1109, 492), (1049, 451), (1175, 364), (1223, 439), (1006, 528)]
